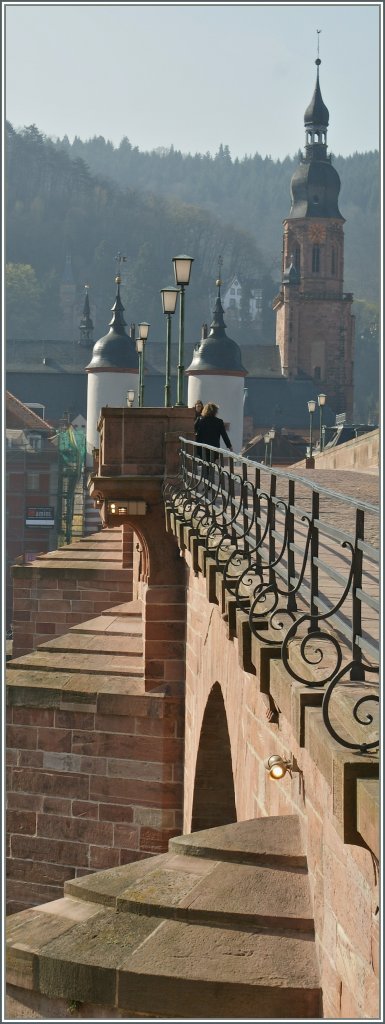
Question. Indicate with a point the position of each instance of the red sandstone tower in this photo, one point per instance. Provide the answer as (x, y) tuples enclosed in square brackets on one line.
[(315, 327)]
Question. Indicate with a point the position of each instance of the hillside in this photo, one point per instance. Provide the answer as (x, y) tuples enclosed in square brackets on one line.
[(91, 199)]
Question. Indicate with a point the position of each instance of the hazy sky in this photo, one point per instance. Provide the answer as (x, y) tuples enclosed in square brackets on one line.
[(194, 75)]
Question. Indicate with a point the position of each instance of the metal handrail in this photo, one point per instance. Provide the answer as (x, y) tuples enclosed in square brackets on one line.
[(274, 557)]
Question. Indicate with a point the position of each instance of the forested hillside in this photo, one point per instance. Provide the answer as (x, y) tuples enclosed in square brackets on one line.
[(56, 206), (91, 199), (252, 194)]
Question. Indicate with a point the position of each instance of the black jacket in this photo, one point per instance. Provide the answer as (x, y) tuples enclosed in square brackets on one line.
[(210, 429), (197, 420)]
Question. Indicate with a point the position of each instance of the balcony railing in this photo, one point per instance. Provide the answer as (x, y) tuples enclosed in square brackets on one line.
[(302, 562)]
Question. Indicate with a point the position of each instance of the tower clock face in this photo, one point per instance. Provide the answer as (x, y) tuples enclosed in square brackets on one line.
[(317, 233)]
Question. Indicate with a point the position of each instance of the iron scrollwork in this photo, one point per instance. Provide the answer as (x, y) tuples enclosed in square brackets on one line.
[(267, 549)]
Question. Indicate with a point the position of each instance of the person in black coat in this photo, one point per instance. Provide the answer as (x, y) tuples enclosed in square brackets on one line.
[(211, 429), (198, 414)]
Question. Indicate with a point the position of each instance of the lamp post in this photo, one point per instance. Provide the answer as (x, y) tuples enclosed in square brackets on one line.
[(182, 271), (321, 403), (271, 439), (140, 343), (130, 398), (266, 440), (169, 300), (311, 407)]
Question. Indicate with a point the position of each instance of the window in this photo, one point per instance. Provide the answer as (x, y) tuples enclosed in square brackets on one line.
[(297, 259), (315, 263), (33, 481), (35, 441), (317, 373), (334, 262)]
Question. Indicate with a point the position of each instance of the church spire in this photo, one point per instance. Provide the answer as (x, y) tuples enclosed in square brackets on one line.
[(316, 120), (86, 324), (218, 324)]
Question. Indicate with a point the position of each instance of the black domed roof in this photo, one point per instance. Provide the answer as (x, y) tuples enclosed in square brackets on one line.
[(217, 353), (116, 350), (315, 187), (317, 113)]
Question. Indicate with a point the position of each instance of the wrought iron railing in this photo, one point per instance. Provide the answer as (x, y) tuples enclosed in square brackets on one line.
[(302, 562)]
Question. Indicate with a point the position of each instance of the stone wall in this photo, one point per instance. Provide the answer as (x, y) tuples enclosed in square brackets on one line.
[(362, 453), (68, 586), (93, 781), (343, 874)]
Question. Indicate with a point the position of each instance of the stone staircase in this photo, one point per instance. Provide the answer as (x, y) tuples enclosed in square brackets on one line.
[(111, 643), (92, 519), (220, 926)]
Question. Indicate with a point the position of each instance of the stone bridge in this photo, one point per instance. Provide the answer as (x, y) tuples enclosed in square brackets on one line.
[(225, 614)]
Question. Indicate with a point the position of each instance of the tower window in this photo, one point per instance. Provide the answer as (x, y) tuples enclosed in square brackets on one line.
[(297, 259), (334, 262), (315, 263)]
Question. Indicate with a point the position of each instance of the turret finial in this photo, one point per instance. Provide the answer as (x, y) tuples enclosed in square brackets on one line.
[(318, 30), (219, 281)]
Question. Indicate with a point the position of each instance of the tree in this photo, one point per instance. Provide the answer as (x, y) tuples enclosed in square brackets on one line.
[(23, 300)]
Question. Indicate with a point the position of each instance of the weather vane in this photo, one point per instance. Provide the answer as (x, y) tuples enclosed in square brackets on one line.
[(119, 259), (318, 30), (220, 262)]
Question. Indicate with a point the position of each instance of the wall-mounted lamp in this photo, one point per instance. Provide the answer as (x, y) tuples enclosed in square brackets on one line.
[(130, 398), (277, 766), (125, 508)]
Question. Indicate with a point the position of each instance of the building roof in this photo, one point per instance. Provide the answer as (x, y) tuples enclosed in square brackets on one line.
[(217, 353), (20, 416), (315, 185), (316, 112), (285, 449), (116, 350), (282, 402), (45, 357)]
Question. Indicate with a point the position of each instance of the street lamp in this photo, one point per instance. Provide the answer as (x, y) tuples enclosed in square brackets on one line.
[(140, 343), (321, 403), (182, 271), (266, 440), (169, 300), (311, 407), (271, 439), (130, 398)]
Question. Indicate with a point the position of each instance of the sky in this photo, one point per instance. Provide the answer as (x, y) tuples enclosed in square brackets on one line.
[(194, 75)]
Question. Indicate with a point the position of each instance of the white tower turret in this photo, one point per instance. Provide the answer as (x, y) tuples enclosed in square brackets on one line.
[(112, 372), (216, 374)]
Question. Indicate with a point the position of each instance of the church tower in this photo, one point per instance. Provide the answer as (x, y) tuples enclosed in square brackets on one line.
[(315, 326)]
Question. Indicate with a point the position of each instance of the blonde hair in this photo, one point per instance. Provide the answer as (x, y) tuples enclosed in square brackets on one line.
[(210, 409)]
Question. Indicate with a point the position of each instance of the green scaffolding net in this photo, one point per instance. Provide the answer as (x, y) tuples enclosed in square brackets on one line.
[(72, 455)]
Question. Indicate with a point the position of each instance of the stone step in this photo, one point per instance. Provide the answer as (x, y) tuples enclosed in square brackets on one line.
[(81, 642), (272, 840), (119, 625), (183, 888), (98, 664), (213, 937)]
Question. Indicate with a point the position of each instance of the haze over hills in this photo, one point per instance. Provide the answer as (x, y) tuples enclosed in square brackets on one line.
[(90, 199)]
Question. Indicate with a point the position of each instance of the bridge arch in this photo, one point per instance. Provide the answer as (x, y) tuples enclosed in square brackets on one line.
[(214, 794)]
